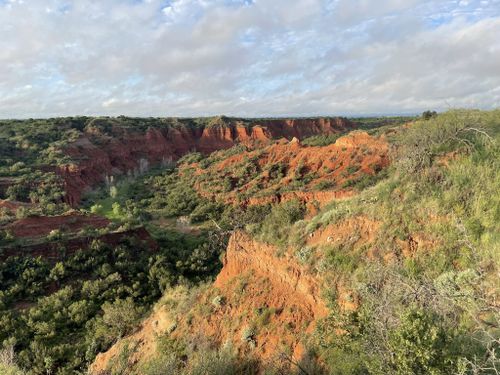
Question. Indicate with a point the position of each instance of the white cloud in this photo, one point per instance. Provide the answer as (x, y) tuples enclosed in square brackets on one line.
[(266, 57)]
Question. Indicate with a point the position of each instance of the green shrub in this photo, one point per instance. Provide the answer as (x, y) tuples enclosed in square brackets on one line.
[(321, 140), (324, 185), (276, 226), (427, 115), (206, 211), (340, 261), (422, 345), (119, 318), (190, 158), (352, 169), (425, 140)]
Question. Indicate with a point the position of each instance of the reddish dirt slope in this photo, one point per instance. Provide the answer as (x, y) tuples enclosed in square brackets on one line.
[(98, 155), (272, 297), (329, 168), (40, 226), (12, 206), (254, 280)]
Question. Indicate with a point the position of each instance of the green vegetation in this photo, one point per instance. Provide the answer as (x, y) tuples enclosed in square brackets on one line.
[(321, 140), (31, 151), (427, 115), (432, 312), (424, 284), (100, 294), (373, 125), (276, 225)]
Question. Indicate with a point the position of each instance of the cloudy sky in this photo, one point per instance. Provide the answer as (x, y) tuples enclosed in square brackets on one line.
[(247, 57)]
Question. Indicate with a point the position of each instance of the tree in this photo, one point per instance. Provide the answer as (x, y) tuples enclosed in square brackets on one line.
[(58, 272), (121, 316), (421, 345), (427, 115), (96, 208), (117, 209)]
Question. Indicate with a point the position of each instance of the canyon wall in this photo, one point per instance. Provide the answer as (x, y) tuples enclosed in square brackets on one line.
[(98, 155)]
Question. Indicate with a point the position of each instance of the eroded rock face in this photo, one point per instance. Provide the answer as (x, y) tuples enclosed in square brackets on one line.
[(98, 156), (52, 251), (41, 226), (274, 282), (261, 303), (350, 158)]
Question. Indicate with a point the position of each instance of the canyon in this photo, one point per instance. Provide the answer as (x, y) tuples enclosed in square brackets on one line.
[(97, 155)]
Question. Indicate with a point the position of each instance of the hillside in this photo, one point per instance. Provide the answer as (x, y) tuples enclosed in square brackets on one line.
[(65, 270), (233, 246), (401, 277), (59, 159)]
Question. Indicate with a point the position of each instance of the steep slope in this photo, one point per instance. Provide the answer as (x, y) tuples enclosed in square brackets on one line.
[(288, 170), (400, 278), (261, 303), (99, 153)]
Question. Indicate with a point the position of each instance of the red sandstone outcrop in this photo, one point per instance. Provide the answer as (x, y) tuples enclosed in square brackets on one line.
[(98, 155), (273, 294), (336, 165)]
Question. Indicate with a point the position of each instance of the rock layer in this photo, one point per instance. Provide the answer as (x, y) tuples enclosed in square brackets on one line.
[(267, 303), (97, 155)]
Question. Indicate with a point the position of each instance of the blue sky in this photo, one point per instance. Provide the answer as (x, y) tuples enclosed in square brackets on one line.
[(247, 58)]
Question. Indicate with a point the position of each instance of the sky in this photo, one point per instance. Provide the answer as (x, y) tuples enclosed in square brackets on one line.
[(247, 57)]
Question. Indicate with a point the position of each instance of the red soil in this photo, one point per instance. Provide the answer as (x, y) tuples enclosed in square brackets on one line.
[(12, 206), (98, 155), (40, 226), (273, 294), (349, 158)]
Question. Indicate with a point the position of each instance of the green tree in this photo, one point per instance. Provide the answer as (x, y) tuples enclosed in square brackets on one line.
[(117, 209), (58, 272), (421, 345), (121, 316), (427, 115)]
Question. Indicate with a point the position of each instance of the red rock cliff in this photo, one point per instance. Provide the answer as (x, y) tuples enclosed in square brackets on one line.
[(99, 155), (273, 294)]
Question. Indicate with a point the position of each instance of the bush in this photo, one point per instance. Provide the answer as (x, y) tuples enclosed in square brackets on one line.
[(180, 201), (324, 185), (248, 334), (427, 115), (54, 235), (276, 226), (425, 140), (206, 211), (222, 362), (193, 157), (219, 301), (321, 140), (119, 318), (421, 345)]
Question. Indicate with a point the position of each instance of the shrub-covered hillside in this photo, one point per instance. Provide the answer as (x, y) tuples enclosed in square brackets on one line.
[(409, 269), (403, 266), (427, 282)]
